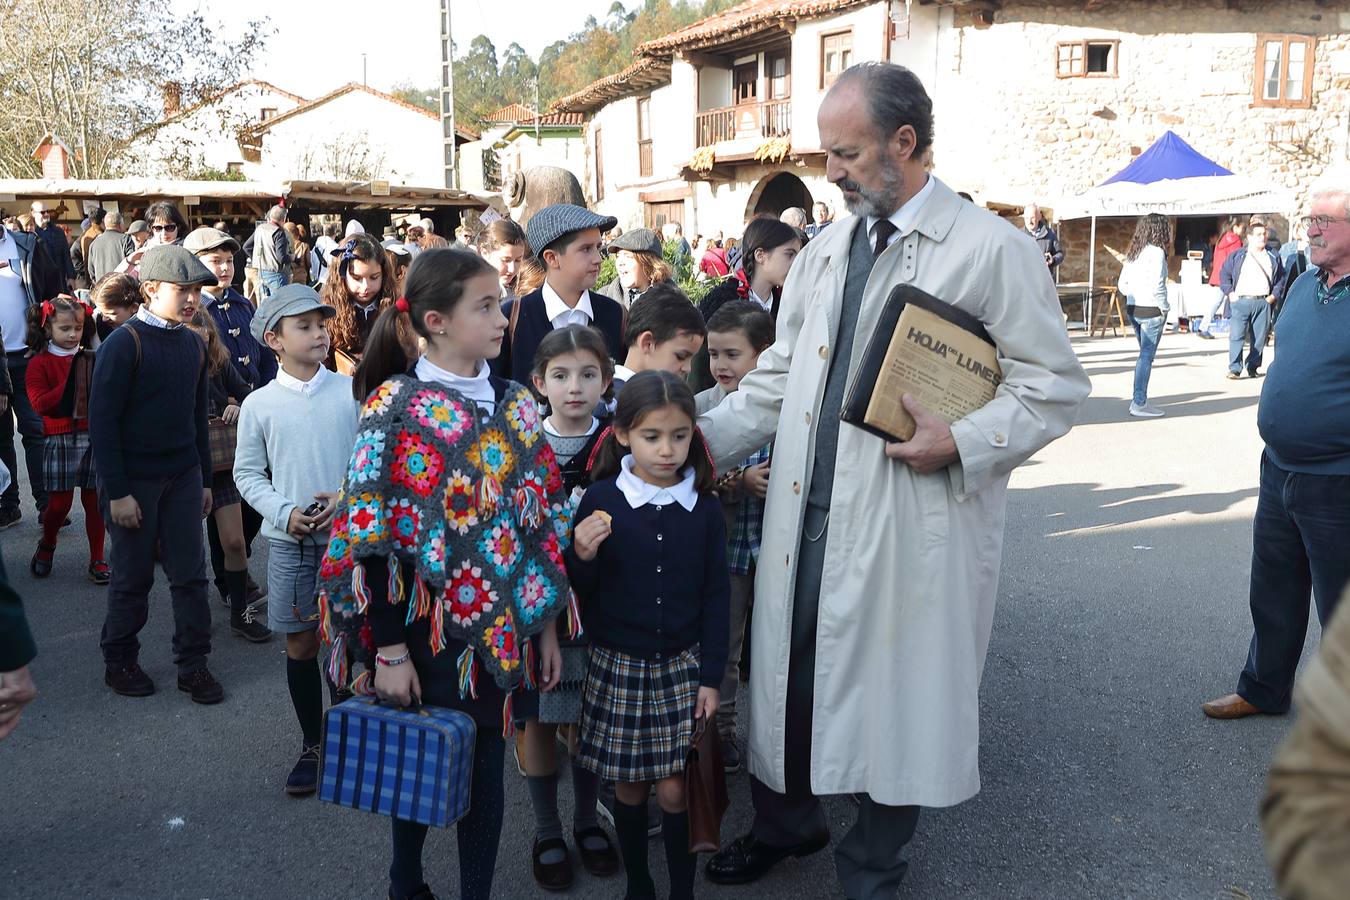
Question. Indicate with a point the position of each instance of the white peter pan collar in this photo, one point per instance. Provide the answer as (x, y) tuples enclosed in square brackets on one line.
[(639, 493), (478, 388)]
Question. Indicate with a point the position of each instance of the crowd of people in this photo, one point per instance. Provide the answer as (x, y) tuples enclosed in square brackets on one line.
[(585, 514)]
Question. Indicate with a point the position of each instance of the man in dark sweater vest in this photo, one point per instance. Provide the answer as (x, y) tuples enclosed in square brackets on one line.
[(1301, 530), (152, 455), (567, 240)]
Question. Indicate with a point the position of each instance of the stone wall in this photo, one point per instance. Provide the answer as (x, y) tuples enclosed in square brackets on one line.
[(1009, 130)]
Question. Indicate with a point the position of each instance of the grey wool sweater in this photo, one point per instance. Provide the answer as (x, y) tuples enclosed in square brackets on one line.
[(303, 439)]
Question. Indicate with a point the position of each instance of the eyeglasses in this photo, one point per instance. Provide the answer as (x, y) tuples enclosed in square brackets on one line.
[(170, 227), (46, 212), (1321, 223)]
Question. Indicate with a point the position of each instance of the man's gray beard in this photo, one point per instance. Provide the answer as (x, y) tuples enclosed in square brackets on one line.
[(879, 203)]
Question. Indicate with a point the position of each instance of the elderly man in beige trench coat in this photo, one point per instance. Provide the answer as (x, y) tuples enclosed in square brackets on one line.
[(870, 685)]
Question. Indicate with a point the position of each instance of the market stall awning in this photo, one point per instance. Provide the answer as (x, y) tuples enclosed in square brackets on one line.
[(1174, 179)]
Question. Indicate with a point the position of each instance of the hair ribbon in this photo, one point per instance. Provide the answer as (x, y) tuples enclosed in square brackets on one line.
[(48, 310)]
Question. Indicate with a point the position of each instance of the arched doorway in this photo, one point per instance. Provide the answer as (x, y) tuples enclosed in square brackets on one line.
[(777, 192)]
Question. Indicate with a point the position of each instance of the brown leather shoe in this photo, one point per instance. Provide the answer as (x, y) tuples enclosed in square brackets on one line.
[(1231, 706)]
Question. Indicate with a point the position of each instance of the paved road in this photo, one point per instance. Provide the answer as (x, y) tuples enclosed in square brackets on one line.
[(1122, 607)]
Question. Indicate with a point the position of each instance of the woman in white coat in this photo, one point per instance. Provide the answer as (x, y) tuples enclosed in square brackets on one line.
[(871, 687)]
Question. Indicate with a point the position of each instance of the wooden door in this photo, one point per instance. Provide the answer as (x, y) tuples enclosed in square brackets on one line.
[(745, 82)]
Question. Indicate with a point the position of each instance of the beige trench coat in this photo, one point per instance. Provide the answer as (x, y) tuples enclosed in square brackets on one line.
[(912, 561)]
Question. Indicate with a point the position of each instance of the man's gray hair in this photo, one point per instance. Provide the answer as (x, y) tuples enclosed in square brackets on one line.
[(896, 98), (113, 220), (277, 214), (1334, 182), (794, 216)]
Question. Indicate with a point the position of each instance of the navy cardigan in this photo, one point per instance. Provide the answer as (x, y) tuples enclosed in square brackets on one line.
[(516, 361), (658, 584)]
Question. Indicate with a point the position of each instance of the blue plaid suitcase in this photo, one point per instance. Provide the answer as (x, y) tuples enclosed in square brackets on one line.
[(413, 764)]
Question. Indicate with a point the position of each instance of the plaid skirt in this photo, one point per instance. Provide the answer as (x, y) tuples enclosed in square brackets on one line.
[(67, 463), (637, 715), (223, 491)]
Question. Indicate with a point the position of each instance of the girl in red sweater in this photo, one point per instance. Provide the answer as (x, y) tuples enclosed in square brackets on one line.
[(58, 332)]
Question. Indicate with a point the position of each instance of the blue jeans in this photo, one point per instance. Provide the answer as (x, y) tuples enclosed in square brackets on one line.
[(1299, 539), (21, 411), (269, 281), (1148, 332), (1249, 314)]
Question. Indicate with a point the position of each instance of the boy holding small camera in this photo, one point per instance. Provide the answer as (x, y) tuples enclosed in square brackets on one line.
[(296, 428)]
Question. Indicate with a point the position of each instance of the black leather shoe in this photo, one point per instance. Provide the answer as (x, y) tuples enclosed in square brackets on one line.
[(748, 859), (202, 686), (128, 680), (599, 861), (552, 876)]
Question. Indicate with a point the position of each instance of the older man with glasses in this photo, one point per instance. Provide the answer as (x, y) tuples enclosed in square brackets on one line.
[(54, 239), (1301, 530)]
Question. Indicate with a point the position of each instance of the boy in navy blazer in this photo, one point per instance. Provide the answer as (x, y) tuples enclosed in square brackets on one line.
[(567, 240)]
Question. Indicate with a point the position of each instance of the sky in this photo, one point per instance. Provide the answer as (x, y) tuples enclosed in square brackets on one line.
[(317, 48)]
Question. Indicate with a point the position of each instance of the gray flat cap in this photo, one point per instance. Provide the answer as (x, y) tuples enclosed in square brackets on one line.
[(204, 240), (176, 265), (138, 227), (289, 300), (552, 222), (639, 240)]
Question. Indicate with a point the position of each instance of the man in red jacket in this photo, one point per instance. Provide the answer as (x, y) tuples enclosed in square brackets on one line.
[(1230, 241)]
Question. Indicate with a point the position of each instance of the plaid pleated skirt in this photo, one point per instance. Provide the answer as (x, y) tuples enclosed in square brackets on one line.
[(637, 715), (223, 491), (67, 463)]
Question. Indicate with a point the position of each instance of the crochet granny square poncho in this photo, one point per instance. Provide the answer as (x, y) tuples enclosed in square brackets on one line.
[(474, 504)]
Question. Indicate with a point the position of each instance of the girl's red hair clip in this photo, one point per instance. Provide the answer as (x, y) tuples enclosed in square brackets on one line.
[(401, 304)]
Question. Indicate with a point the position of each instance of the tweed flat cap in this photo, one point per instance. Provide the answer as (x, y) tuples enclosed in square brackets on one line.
[(176, 265), (138, 227), (288, 300), (204, 240), (552, 222), (639, 240)]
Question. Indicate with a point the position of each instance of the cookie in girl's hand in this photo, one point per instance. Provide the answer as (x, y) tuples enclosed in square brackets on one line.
[(606, 517)]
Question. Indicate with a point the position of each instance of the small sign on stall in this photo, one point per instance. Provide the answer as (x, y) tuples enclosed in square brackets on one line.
[(192, 201), (379, 188)]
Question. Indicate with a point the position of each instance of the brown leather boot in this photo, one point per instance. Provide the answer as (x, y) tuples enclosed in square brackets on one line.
[(1230, 706)]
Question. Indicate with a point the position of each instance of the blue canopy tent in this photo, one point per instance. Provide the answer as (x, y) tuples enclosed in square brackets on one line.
[(1172, 178)]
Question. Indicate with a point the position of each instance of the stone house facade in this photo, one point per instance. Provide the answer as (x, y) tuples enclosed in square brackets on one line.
[(1034, 100)]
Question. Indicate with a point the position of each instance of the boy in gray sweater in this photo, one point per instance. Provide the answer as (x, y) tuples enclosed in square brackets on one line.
[(300, 428)]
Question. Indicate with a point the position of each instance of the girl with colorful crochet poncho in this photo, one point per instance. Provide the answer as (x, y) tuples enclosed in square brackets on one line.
[(446, 548)]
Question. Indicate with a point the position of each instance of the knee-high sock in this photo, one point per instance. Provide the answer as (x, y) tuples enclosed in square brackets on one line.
[(93, 523), (306, 686), (547, 823), (405, 872), (630, 825), (58, 506), (679, 861), (585, 791), (236, 583)]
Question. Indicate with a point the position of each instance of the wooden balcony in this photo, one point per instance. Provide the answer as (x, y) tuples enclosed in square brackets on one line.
[(747, 120)]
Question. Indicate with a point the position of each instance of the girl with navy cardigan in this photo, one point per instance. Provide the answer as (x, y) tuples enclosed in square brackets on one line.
[(648, 564)]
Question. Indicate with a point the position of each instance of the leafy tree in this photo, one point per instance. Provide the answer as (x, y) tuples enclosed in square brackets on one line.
[(95, 75)]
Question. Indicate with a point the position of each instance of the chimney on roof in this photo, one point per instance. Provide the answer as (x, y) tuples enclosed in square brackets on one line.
[(172, 93), (54, 158)]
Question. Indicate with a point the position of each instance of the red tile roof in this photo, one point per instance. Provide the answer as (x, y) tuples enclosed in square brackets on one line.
[(644, 74), (744, 20), (510, 114)]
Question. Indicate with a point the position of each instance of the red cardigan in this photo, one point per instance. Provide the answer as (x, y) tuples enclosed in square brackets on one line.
[(47, 376)]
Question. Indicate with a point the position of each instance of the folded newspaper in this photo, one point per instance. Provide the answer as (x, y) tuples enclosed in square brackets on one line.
[(940, 355)]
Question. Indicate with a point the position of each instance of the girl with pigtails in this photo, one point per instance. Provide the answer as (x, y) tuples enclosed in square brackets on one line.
[(446, 551)]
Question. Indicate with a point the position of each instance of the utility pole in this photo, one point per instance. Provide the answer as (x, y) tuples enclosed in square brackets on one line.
[(536, 110), (448, 95), (364, 81)]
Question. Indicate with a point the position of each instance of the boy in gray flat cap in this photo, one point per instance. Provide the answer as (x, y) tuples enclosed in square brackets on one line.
[(566, 239), (152, 456), (297, 499)]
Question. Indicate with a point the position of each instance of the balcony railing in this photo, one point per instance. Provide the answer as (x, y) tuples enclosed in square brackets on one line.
[(765, 120)]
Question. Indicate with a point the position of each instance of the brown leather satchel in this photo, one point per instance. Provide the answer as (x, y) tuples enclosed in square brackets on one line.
[(705, 789)]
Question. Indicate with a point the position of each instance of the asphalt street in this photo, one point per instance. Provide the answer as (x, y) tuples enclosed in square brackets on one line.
[(1123, 606)]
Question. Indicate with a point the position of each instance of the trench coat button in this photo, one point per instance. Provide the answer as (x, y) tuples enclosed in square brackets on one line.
[(796, 487), (808, 418), (1000, 438), (824, 352), (787, 560)]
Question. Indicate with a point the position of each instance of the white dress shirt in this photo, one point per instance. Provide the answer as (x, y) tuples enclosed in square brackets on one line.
[(562, 315), (304, 388), (903, 218), (639, 493)]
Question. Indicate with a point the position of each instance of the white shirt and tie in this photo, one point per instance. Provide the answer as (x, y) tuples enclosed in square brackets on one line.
[(561, 315), (900, 222)]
